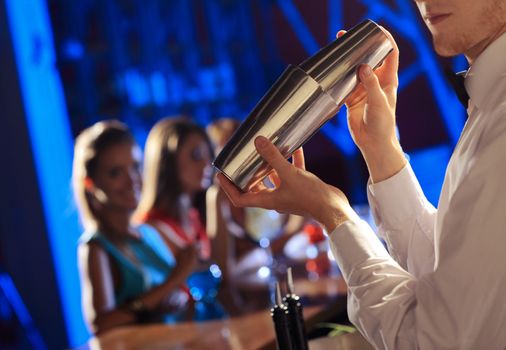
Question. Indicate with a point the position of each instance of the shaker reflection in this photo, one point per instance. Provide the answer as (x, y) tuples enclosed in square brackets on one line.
[(301, 101)]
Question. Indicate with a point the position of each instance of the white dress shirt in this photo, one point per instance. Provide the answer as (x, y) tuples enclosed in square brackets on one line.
[(443, 285)]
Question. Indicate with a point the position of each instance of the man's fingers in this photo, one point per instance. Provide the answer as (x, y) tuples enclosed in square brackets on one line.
[(271, 155), (231, 191), (375, 95), (298, 159), (262, 199)]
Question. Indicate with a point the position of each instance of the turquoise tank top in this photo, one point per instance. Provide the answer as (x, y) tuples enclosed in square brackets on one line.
[(156, 262)]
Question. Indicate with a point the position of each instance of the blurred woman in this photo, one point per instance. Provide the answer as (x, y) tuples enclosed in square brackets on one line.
[(127, 273), (177, 168), (237, 232), (177, 171)]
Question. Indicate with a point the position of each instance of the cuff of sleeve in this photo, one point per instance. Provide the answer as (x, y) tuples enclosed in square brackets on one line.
[(400, 196), (353, 243)]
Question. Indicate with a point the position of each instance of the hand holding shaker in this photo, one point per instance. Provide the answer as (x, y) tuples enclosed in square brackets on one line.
[(301, 101)]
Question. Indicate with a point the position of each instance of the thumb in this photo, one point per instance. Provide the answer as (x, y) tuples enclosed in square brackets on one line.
[(271, 155), (375, 95)]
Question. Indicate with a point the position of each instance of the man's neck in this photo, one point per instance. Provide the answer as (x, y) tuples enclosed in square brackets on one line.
[(474, 52)]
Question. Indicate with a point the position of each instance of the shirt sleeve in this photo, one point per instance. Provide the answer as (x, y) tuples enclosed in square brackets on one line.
[(460, 305), (405, 220)]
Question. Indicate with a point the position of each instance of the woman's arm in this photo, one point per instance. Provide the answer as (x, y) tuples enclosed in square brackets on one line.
[(97, 285), (222, 248), (98, 301)]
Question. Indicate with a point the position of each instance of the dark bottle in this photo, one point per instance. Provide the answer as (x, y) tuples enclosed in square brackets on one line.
[(279, 314), (296, 318)]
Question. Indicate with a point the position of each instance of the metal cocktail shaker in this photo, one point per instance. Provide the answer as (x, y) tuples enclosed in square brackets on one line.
[(302, 99)]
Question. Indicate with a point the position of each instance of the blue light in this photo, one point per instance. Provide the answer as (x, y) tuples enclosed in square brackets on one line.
[(73, 49), (226, 80), (137, 88), (339, 134), (429, 166), (196, 293), (175, 89), (296, 21), (335, 18), (406, 23), (409, 74), (215, 271), (460, 63), (10, 293), (51, 140), (159, 88), (207, 87), (264, 242), (264, 272)]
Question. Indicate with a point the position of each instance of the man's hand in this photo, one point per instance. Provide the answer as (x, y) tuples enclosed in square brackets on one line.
[(371, 116), (296, 191)]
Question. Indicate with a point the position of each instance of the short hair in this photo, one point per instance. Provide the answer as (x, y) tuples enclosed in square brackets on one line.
[(89, 146)]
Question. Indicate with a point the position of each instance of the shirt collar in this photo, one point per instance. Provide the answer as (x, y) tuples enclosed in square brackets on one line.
[(486, 71)]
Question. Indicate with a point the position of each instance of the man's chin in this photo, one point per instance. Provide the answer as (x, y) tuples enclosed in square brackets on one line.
[(445, 51)]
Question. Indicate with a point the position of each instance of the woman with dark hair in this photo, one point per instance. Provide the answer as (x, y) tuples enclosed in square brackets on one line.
[(177, 171), (177, 167), (127, 273), (236, 232)]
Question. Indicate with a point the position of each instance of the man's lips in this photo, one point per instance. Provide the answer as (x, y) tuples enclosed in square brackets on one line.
[(435, 18)]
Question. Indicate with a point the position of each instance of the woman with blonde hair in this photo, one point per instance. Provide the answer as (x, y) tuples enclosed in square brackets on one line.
[(127, 273)]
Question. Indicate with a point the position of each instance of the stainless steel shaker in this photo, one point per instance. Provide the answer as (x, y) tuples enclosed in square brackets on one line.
[(302, 99)]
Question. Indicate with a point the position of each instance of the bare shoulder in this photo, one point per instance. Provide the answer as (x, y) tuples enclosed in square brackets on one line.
[(91, 254)]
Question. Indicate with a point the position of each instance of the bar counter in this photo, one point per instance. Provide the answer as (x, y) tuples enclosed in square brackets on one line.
[(326, 298)]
